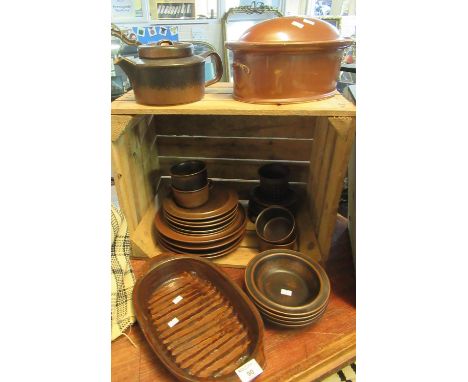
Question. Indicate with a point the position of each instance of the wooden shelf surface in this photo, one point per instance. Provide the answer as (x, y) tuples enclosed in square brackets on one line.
[(305, 355), (218, 101)]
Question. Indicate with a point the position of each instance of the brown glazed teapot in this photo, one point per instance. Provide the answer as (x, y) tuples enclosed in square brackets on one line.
[(168, 73)]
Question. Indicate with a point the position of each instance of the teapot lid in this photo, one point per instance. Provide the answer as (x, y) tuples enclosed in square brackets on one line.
[(166, 49)]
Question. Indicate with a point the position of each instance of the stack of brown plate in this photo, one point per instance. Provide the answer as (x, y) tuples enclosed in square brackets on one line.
[(212, 230), (289, 289)]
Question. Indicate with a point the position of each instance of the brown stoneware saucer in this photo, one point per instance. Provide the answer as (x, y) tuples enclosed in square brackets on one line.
[(257, 202), (221, 201), (198, 322)]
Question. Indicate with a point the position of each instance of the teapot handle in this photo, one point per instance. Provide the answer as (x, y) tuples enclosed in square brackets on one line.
[(219, 67), (116, 32)]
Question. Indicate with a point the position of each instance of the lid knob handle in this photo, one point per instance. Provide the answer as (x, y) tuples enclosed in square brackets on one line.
[(165, 43)]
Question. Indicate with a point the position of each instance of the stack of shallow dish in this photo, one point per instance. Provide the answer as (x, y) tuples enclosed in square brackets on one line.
[(273, 190), (289, 289), (211, 230)]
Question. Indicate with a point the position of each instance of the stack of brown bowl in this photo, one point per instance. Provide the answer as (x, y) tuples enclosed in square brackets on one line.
[(276, 228), (187, 223), (289, 289), (273, 190)]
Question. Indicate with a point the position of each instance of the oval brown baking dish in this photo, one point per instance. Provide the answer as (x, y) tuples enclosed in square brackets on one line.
[(287, 60), (199, 323)]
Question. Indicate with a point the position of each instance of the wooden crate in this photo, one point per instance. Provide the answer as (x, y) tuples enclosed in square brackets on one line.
[(313, 139)]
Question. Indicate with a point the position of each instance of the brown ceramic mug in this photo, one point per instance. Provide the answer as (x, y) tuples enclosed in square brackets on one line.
[(190, 175), (274, 181), (192, 199)]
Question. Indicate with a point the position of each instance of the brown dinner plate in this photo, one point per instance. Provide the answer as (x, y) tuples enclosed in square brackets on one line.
[(197, 232), (204, 222), (221, 201), (239, 224), (191, 227), (207, 254), (202, 246)]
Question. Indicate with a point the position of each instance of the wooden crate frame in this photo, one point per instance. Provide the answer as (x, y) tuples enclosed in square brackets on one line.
[(314, 139)]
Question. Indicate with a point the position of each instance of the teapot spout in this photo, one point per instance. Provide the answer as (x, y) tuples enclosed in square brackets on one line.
[(127, 66)]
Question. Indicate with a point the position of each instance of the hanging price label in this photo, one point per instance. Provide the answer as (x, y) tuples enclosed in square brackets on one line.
[(249, 371)]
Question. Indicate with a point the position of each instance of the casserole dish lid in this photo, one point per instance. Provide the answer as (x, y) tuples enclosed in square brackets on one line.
[(291, 31)]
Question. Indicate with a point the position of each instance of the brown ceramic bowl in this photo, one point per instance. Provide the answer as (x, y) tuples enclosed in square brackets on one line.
[(266, 245), (189, 175), (192, 199), (275, 225), (274, 181), (289, 317), (271, 273)]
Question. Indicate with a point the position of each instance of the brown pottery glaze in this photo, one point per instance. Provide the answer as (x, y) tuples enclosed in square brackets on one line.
[(266, 245), (274, 184), (289, 289), (222, 200), (168, 73), (190, 175), (191, 199), (275, 225), (287, 60), (211, 329), (276, 269), (237, 225), (257, 202)]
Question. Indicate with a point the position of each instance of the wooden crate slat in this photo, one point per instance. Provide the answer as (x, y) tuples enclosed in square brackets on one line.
[(317, 152), (132, 167), (237, 168), (125, 191), (119, 123), (323, 174), (235, 126), (224, 104), (342, 148), (241, 148), (243, 187)]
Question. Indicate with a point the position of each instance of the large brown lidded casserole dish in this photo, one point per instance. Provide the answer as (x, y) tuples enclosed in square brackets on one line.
[(287, 60), (199, 323)]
